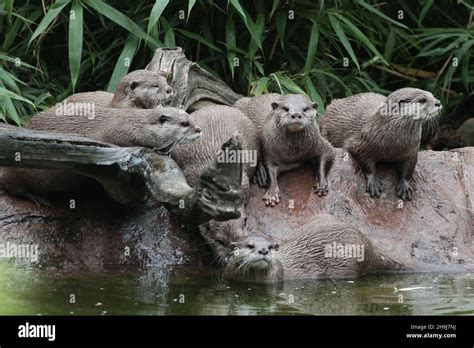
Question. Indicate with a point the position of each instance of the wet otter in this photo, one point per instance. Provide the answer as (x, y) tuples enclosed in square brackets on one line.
[(289, 136), (161, 128), (143, 89), (323, 248), (219, 124), (374, 128)]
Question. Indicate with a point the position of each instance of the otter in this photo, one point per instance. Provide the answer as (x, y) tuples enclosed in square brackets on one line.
[(322, 248), (290, 136), (161, 128), (143, 89), (374, 128), (219, 124)]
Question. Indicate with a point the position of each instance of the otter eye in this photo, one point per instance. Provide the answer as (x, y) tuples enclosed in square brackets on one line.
[(422, 100), (164, 118), (306, 109), (220, 242), (286, 108), (185, 124), (250, 246), (270, 247)]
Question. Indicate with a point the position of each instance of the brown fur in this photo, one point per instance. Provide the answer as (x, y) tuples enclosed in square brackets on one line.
[(161, 128), (374, 128), (290, 137), (218, 124), (302, 255), (143, 89)]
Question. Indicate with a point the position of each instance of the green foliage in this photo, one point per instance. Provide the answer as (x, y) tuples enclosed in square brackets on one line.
[(324, 49)]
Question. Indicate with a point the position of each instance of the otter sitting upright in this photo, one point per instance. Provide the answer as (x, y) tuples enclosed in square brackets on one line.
[(160, 128), (289, 136), (143, 89), (374, 128)]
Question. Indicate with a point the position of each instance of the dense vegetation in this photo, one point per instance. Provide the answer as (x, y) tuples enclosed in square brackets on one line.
[(326, 49)]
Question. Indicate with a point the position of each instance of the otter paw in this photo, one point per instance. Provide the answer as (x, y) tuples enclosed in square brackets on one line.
[(373, 186), (321, 188), (404, 190), (272, 197)]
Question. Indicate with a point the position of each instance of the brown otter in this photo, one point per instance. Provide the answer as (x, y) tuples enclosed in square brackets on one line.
[(374, 128), (323, 248), (219, 124), (143, 89), (161, 128), (289, 136)]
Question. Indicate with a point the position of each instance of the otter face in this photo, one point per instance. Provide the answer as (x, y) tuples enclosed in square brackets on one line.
[(252, 253), (151, 92), (170, 127), (413, 104), (294, 112), (219, 235)]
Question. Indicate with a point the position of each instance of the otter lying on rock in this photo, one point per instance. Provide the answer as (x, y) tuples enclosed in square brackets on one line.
[(219, 124), (289, 136), (143, 89), (161, 128), (374, 128), (323, 248)]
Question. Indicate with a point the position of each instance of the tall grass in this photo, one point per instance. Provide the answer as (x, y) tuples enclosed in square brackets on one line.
[(325, 49)]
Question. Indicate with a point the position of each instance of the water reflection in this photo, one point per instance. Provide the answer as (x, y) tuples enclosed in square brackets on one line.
[(26, 291)]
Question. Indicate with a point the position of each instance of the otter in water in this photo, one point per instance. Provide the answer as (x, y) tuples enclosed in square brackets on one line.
[(161, 128), (290, 136), (323, 248), (374, 128), (143, 89), (219, 124)]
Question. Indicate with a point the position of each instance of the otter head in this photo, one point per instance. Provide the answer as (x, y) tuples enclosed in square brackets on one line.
[(219, 235), (253, 258), (294, 112), (171, 126), (145, 89), (411, 105)]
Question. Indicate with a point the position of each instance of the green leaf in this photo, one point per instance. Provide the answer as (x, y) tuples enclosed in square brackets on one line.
[(424, 11), (120, 19), (191, 4), (312, 46), (200, 39), (156, 12), (75, 41), (169, 33), (313, 93), (123, 62), (380, 14), (281, 27), (336, 25), (240, 10), (251, 26), (274, 7), (230, 43), (53, 12), (360, 36), (9, 8), (261, 86)]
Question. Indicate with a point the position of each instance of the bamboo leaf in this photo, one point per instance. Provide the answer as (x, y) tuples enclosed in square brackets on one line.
[(199, 38), (156, 12), (230, 43), (75, 41), (380, 14), (281, 27), (123, 62), (312, 46), (169, 39), (336, 25), (53, 12), (191, 4), (261, 86), (9, 9)]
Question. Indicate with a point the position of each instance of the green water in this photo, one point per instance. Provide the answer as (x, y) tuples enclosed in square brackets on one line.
[(26, 291)]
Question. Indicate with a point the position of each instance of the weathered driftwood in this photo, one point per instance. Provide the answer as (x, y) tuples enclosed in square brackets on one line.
[(129, 175), (193, 85)]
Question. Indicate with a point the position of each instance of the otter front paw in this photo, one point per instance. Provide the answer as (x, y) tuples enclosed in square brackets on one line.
[(321, 187), (373, 186), (404, 190), (272, 197)]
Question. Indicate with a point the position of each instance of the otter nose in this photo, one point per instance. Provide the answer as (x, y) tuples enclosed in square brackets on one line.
[(169, 90), (438, 103), (197, 129), (296, 116), (263, 251)]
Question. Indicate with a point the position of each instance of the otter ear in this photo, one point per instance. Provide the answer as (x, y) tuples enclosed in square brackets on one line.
[(315, 105), (275, 105), (164, 118), (133, 85)]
